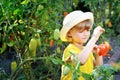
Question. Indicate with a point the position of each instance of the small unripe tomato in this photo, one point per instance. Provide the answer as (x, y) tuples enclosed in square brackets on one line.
[(108, 23), (13, 66), (58, 50), (56, 34), (66, 70)]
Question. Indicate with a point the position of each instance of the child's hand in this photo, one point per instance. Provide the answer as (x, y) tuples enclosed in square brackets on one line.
[(95, 49), (98, 31)]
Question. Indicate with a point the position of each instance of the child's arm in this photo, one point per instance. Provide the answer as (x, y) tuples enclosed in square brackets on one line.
[(83, 56)]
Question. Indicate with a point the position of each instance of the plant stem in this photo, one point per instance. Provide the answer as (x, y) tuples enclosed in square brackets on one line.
[(13, 76)]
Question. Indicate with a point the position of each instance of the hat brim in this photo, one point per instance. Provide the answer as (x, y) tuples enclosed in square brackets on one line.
[(65, 29)]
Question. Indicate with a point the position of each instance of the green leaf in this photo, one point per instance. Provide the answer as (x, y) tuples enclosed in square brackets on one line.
[(10, 44), (86, 76), (25, 2), (44, 1), (40, 7), (13, 25), (16, 11), (74, 76), (1, 28), (77, 65), (56, 60), (4, 46)]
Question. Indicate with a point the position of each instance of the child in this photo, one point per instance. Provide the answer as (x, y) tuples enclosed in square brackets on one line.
[(76, 30)]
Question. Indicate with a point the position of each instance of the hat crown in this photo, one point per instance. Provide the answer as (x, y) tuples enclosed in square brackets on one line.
[(71, 16)]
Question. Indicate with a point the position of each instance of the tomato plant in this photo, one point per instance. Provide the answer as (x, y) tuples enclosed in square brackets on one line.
[(28, 26)]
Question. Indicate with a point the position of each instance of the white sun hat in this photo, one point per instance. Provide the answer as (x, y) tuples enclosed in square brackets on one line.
[(72, 19)]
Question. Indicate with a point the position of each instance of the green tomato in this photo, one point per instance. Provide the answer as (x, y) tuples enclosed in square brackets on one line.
[(58, 50), (40, 7), (56, 34), (33, 44), (33, 54), (107, 12), (13, 66), (38, 42), (66, 70)]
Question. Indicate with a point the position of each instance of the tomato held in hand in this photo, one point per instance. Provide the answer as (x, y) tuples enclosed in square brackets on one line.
[(103, 49), (107, 45)]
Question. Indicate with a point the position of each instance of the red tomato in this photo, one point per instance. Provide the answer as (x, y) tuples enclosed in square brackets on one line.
[(108, 45), (65, 13), (51, 43), (103, 49)]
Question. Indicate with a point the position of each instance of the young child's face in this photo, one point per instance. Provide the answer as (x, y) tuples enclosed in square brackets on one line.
[(80, 35)]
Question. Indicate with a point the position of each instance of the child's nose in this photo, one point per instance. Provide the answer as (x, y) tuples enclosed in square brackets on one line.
[(85, 31)]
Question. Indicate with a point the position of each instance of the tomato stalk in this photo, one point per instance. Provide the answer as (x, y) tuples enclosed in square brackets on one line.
[(14, 75)]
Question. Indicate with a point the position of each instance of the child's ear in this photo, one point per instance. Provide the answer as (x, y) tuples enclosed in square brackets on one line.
[(69, 34)]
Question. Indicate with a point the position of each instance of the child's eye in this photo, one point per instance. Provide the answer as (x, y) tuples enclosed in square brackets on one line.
[(88, 29), (80, 31)]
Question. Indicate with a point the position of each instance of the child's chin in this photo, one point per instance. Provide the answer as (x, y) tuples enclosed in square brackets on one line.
[(84, 41)]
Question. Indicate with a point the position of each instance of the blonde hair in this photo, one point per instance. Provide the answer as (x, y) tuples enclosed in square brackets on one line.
[(84, 25)]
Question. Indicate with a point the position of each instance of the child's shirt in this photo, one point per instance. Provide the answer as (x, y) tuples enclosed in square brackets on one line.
[(86, 68)]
